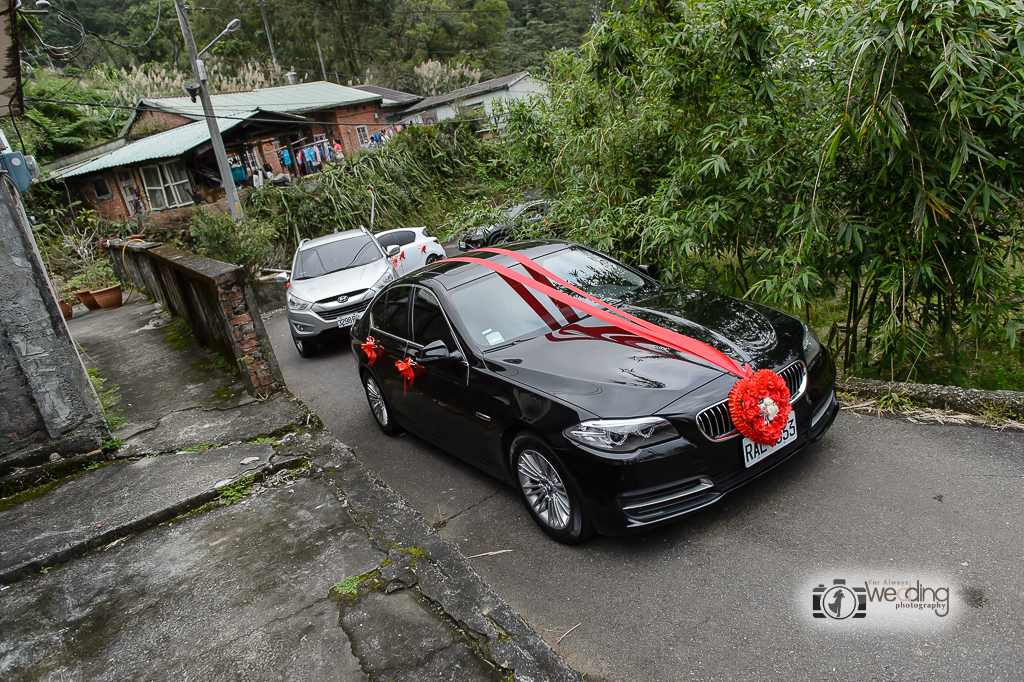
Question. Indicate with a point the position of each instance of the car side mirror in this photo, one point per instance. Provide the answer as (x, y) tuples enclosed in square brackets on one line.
[(282, 277), (652, 271), (434, 351), (393, 250)]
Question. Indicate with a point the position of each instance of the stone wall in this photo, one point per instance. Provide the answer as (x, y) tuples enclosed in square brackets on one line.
[(213, 298), (48, 404)]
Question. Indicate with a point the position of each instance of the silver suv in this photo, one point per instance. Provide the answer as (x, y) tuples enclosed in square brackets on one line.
[(332, 281)]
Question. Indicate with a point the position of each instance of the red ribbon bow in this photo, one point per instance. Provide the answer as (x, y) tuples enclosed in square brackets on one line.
[(423, 248), (370, 348), (407, 368)]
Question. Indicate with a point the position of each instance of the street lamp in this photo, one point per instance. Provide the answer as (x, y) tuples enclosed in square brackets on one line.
[(233, 25), (199, 69)]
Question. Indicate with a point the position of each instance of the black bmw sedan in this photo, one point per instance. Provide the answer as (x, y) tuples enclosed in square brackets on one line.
[(598, 428)]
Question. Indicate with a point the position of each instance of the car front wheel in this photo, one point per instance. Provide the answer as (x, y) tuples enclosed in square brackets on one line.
[(306, 347), (548, 491), (379, 406)]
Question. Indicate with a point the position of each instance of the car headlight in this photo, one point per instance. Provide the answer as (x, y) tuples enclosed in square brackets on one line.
[(296, 303), (388, 276), (621, 435), (812, 346)]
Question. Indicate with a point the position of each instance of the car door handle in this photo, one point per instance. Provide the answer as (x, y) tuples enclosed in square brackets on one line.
[(482, 417)]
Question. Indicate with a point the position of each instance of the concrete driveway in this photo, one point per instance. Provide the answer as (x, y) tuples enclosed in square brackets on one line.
[(726, 594)]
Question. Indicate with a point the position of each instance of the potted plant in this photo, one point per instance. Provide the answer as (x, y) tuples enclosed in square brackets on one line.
[(81, 285), (65, 293), (107, 291)]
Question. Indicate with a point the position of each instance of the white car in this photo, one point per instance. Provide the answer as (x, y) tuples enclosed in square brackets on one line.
[(416, 248)]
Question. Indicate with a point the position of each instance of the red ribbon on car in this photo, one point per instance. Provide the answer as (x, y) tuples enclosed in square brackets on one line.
[(423, 248), (541, 282), (370, 348), (407, 368)]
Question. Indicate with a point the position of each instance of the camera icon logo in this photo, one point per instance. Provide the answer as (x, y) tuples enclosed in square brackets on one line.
[(839, 601)]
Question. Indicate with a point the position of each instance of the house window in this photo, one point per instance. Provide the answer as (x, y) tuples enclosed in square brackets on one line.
[(130, 192), (101, 188), (167, 185), (364, 136)]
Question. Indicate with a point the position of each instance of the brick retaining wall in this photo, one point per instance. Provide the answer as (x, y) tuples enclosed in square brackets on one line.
[(214, 299)]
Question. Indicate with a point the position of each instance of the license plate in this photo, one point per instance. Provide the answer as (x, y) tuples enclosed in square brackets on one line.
[(348, 320), (462, 245), (755, 452)]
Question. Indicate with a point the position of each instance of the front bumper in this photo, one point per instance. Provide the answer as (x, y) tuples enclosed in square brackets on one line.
[(306, 324), (666, 481)]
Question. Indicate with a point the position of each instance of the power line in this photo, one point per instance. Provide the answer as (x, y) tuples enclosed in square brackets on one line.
[(159, 8)]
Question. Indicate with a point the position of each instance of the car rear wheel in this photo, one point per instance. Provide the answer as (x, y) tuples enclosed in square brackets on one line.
[(433, 258), (306, 347), (379, 407), (548, 491)]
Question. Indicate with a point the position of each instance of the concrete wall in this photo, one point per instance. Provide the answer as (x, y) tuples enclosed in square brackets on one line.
[(213, 298), (527, 87), (48, 403)]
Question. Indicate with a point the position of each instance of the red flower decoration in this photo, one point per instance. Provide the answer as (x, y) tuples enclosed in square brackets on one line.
[(759, 406), (407, 368), (370, 348)]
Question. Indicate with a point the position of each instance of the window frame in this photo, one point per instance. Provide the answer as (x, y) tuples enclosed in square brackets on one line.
[(408, 314), (168, 187), (109, 194), (363, 134), (447, 319)]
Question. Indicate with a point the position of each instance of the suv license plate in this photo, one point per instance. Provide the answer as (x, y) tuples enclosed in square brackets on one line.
[(348, 320), (755, 452)]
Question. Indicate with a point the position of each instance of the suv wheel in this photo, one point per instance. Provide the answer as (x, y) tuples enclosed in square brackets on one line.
[(306, 347)]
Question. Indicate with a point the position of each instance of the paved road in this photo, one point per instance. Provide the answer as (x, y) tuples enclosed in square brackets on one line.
[(726, 594)]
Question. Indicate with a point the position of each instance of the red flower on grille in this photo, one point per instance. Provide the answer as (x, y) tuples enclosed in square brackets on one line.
[(759, 406)]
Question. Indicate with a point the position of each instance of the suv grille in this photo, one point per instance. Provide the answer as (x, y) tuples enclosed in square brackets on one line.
[(715, 422)]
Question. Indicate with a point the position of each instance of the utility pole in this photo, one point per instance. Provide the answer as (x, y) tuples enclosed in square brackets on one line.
[(199, 69), (322, 70), (270, 39)]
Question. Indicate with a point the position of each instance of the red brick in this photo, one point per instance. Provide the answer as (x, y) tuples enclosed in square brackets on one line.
[(241, 318)]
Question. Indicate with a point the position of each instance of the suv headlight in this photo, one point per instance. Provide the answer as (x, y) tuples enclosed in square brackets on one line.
[(621, 435), (388, 276), (812, 346), (296, 303)]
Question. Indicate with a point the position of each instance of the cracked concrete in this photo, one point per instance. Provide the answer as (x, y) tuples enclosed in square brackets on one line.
[(178, 588)]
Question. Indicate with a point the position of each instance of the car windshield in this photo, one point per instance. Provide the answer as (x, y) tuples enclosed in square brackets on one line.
[(496, 312), (334, 256)]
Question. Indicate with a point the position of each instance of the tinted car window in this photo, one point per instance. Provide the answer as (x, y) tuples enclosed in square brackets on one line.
[(390, 313), (494, 312), (334, 256), (386, 240), (598, 276), (404, 237), (428, 322)]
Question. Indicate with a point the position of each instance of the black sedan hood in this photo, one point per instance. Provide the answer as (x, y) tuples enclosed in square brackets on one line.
[(610, 373)]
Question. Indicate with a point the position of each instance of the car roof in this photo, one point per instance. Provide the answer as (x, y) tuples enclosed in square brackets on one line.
[(451, 274), (327, 239)]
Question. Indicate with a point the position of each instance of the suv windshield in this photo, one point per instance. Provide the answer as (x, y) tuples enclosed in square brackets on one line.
[(334, 256), (494, 312)]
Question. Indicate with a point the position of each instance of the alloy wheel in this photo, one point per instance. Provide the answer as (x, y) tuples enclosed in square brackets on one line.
[(377, 405), (544, 489)]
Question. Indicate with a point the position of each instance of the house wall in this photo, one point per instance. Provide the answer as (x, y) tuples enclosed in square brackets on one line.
[(351, 116), (521, 90), (151, 121), (112, 209)]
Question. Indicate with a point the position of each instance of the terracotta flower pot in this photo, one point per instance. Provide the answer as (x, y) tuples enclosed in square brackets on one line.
[(85, 296), (66, 309), (108, 298)]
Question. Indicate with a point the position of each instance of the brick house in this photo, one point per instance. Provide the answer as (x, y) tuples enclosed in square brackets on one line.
[(162, 163)]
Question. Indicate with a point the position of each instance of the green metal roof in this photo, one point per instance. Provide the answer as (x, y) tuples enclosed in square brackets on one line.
[(168, 144), (286, 99)]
